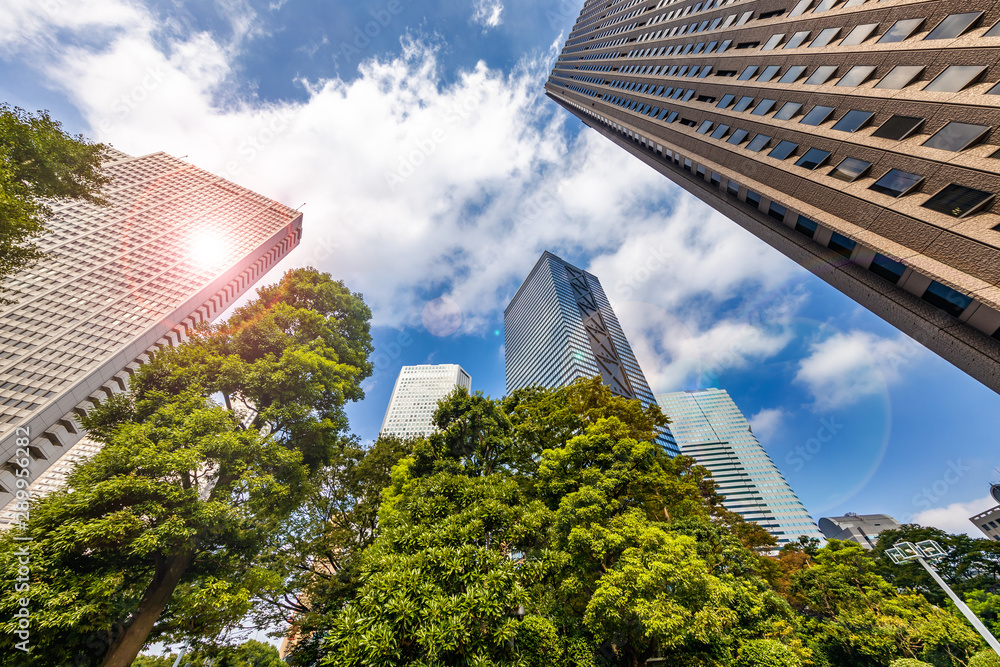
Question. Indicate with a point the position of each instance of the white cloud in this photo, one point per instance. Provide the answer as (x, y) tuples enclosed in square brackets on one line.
[(845, 368), (955, 517), (488, 13), (767, 423)]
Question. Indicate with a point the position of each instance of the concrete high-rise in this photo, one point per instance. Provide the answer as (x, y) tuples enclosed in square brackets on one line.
[(989, 521), (415, 398), (861, 528), (857, 137), (712, 430), (174, 247), (560, 327)]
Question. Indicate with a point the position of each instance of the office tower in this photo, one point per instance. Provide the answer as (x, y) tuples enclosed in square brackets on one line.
[(175, 246), (712, 430), (861, 528), (415, 398), (854, 136), (989, 521), (560, 327)]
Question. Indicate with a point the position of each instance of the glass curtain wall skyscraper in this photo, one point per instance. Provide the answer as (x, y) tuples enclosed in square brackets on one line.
[(858, 137), (415, 397), (560, 327), (711, 429), (175, 247)]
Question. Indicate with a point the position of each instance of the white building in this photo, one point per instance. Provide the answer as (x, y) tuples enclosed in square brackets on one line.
[(415, 398), (711, 429)]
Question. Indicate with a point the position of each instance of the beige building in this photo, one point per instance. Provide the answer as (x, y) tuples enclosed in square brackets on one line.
[(175, 247), (855, 136), (989, 521)]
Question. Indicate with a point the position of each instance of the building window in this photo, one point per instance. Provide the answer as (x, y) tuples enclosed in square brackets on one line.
[(743, 104), (783, 150), (954, 25), (957, 200), (758, 143), (753, 199), (900, 77), (957, 136), (816, 115), (777, 211), (800, 8), (821, 75), (955, 78), (769, 73), (850, 169), (737, 137), (716, 179), (806, 226), (853, 120), (705, 126), (824, 37), (825, 5), (950, 301), (720, 132), (896, 183), (813, 158), (700, 171), (841, 245), (859, 34), (787, 111), (899, 31), (898, 127), (733, 188), (793, 74), (797, 39), (772, 42), (887, 268), (856, 75), (748, 73), (762, 108), (725, 101)]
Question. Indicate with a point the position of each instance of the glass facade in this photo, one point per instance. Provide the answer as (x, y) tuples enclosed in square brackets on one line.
[(710, 428), (560, 327), (415, 397)]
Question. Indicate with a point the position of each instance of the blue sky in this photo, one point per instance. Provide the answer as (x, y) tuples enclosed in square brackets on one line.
[(432, 167)]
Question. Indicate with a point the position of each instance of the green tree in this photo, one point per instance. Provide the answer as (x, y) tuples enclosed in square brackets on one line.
[(157, 536), (39, 163), (987, 658)]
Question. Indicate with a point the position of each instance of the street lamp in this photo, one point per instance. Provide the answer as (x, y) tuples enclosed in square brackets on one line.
[(929, 550)]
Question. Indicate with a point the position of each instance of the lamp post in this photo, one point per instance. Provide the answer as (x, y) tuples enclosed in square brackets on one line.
[(929, 550)]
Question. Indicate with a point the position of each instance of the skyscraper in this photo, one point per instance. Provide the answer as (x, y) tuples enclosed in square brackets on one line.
[(175, 247), (560, 327), (856, 137), (989, 521), (415, 397), (712, 430)]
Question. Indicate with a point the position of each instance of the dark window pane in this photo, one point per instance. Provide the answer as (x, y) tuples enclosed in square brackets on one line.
[(957, 200), (769, 73), (753, 199), (900, 77), (705, 127), (995, 90), (797, 39), (716, 179), (955, 78), (851, 169), (954, 25), (841, 244), (743, 104), (672, 117), (793, 74), (957, 136), (777, 211), (824, 37), (898, 127), (993, 32), (788, 111), (896, 183), (748, 73), (772, 42), (762, 108), (725, 101), (732, 187), (900, 30), (806, 226), (813, 158), (738, 137), (859, 34), (720, 131), (783, 150), (758, 143), (951, 301), (821, 75), (853, 120), (887, 268), (856, 75), (816, 115)]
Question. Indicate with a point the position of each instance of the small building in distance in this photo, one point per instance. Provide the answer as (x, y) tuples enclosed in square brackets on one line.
[(415, 398), (861, 528), (989, 521)]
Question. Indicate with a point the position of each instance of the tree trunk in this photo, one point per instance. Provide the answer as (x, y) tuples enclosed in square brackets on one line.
[(126, 646)]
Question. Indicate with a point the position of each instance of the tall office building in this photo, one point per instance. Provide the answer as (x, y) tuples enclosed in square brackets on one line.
[(989, 521), (560, 327), (855, 136), (861, 528), (415, 397), (175, 246), (712, 430)]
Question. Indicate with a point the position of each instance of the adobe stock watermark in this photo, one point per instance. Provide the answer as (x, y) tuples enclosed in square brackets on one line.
[(393, 351), (253, 145), (350, 50), (22, 552), (933, 493), (123, 107), (656, 261), (807, 451)]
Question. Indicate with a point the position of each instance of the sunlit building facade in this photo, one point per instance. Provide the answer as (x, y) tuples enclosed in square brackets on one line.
[(415, 398), (174, 247), (857, 137), (560, 327), (711, 429)]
